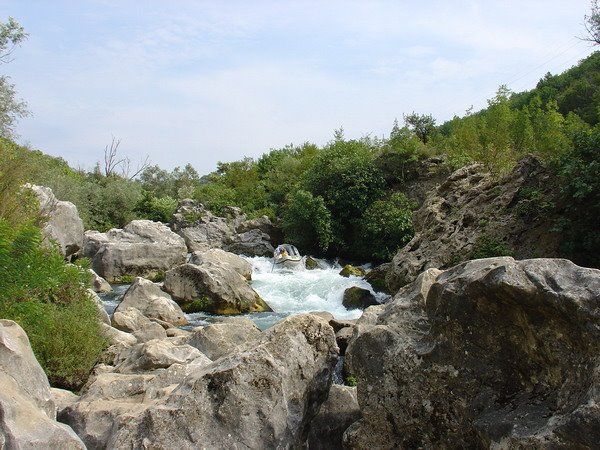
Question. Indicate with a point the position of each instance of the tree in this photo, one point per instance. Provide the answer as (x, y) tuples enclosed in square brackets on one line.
[(420, 124), (592, 24), (11, 35)]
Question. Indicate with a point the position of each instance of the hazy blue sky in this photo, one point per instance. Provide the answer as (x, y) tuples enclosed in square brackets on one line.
[(207, 81)]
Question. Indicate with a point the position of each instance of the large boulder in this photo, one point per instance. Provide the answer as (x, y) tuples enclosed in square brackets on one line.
[(472, 208), (263, 396), (339, 411), (220, 339), (158, 354), (201, 229), (27, 408), (491, 353), (143, 248), (358, 298), (217, 256), (148, 298), (62, 222), (215, 288), (251, 243)]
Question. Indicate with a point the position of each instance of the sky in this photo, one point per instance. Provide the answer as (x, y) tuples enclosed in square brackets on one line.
[(206, 81)]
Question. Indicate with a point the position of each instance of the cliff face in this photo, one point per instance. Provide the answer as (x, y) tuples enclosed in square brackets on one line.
[(471, 213)]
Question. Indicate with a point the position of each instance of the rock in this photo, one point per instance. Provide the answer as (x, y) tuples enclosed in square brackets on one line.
[(116, 336), (342, 338), (251, 243), (351, 271), (377, 278), (63, 224), (150, 331), (63, 398), (158, 354), (339, 324), (491, 353), (129, 319), (338, 412), (262, 224), (472, 205), (311, 263), (217, 256), (143, 248), (200, 229), (216, 288), (324, 315), (358, 298), (102, 314), (225, 337), (27, 408), (99, 284), (148, 298), (262, 397)]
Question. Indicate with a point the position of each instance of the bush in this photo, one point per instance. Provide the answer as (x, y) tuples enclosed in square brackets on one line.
[(490, 246), (386, 226), (307, 222), (159, 209), (49, 299), (579, 172)]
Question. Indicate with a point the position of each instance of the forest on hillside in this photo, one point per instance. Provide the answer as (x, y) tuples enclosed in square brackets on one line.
[(346, 198)]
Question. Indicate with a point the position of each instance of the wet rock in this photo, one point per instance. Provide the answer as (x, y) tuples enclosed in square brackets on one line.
[(358, 298), (350, 271), (215, 288)]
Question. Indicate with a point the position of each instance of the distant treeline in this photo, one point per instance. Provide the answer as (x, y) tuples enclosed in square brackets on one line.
[(345, 198)]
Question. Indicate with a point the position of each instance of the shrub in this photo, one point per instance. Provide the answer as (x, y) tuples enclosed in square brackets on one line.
[(307, 222), (49, 299), (488, 246), (386, 226)]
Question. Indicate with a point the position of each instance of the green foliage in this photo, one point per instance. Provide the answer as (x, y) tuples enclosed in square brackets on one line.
[(488, 246), (386, 226), (533, 202), (307, 222), (197, 304), (11, 109), (159, 209), (215, 196), (579, 172), (49, 299), (351, 380), (423, 126), (345, 176)]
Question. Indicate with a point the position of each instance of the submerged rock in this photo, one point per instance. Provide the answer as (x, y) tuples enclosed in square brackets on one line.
[(358, 298), (492, 353)]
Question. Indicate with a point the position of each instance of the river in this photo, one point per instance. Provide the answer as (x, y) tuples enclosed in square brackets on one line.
[(287, 291)]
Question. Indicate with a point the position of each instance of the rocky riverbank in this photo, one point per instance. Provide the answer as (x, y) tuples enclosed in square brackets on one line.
[(490, 353)]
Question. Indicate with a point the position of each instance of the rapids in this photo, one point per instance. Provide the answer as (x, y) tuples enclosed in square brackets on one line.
[(287, 291)]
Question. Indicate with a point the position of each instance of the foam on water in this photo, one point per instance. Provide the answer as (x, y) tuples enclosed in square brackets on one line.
[(286, 291)]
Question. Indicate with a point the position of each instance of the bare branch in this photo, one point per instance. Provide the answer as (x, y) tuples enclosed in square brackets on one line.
[(110, 157)]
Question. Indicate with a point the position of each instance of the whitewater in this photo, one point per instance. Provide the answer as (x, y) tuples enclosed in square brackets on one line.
[(286, 291)]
